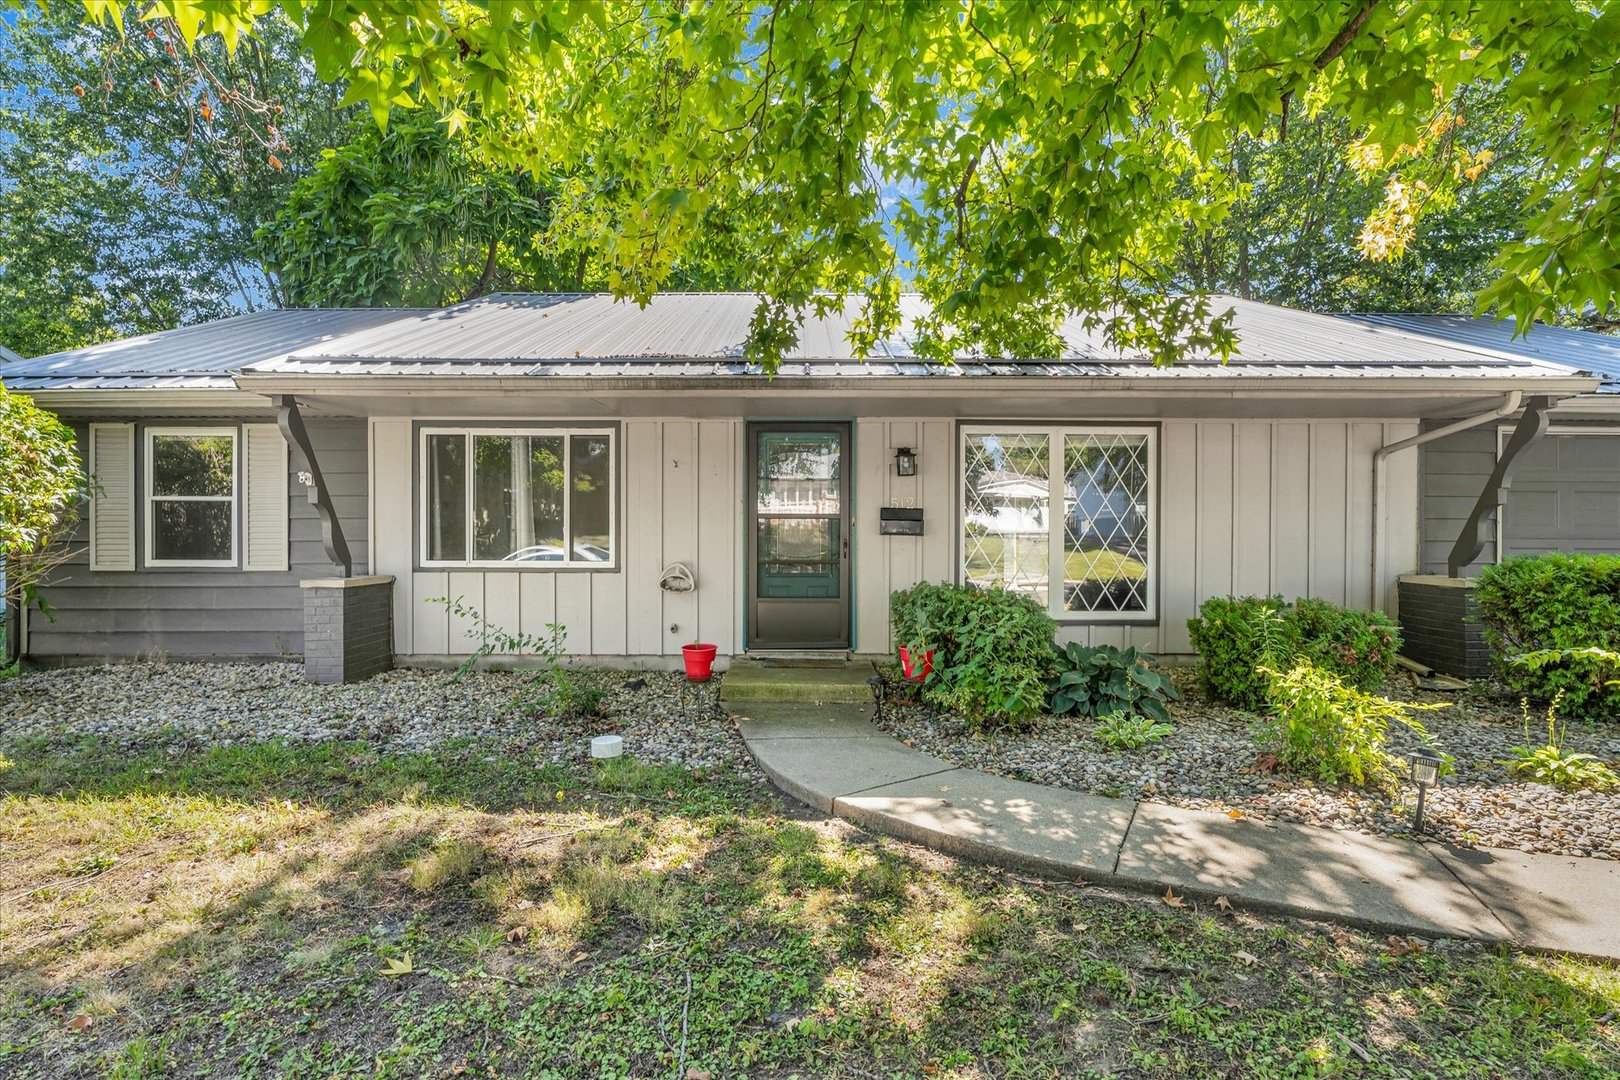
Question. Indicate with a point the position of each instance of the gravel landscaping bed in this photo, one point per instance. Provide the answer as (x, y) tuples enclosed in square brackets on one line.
[(1211, 761), (201, 705)]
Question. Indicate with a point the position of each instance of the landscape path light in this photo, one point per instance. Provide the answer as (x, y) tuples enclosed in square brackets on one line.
[(1425, 774)]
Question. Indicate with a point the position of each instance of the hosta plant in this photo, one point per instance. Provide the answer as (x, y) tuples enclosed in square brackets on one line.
[(1101, 680), (1123, 731)]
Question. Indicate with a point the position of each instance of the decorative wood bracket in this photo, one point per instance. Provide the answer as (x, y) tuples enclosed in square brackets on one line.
[(1477, 530), (292, 427)]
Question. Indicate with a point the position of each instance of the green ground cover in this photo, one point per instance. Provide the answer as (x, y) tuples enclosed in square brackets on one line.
[(327, 912)]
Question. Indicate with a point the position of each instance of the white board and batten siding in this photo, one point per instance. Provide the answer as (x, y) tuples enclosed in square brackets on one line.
[(1245, 507)]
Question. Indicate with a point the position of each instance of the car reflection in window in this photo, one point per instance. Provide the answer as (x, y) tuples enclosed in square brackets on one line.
[(554, 553)]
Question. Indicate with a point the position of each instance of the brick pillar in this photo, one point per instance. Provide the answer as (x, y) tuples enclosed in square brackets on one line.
[(1440, 625), (348, 628)]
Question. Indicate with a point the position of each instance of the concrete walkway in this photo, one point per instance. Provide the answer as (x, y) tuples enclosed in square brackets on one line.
[(830, 757)]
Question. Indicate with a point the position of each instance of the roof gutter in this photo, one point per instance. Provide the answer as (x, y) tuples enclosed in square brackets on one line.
[(1509, 405)]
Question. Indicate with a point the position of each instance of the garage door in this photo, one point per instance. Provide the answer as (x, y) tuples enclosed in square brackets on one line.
[(1565, 496)]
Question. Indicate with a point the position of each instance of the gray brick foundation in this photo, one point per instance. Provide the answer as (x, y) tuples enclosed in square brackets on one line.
[(1440, 623), (348, 628)]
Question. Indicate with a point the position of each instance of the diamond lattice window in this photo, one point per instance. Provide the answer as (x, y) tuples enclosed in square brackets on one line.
[(1063, 514)]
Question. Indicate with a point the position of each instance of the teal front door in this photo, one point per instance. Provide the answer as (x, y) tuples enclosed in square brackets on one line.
[(798, 536)]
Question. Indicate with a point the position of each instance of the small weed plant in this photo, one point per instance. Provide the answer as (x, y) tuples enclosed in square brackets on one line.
[(992, 651), (1102, 681), (547, 687), (1125, 731), (1551, 764), (1322, 727)]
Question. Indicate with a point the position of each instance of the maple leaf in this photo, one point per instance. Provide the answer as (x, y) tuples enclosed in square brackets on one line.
[(1223, 903), (397, 966), (1172, 899), (1247, 957), (80, 1021), (517, 933)]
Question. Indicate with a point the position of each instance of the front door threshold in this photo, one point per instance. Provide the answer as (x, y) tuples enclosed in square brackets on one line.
[(826, 658)]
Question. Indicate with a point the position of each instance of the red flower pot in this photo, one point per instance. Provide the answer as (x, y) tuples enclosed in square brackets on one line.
[(699, 661), (916, 665)]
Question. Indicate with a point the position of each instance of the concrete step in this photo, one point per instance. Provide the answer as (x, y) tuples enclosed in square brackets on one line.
[(753, 681)]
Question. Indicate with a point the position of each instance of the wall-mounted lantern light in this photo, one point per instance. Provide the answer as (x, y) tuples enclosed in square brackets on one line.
[(1425, 774), (905, 462)]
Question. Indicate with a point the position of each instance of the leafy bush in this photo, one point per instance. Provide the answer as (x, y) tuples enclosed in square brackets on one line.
[(1101, 680), (1550, 763), (1320, 725), (992, 650), (1122, 731), (1236, 637), (1544, 615)]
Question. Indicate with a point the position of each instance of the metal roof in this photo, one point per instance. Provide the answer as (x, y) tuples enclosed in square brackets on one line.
[(702, 334), (698, 335), (1579, 350), (204, 356)]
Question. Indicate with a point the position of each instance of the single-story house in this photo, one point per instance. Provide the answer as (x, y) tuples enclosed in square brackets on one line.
[(626, 473)]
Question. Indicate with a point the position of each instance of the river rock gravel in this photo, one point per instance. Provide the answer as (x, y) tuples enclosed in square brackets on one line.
[(662, 719), (1212, 761)]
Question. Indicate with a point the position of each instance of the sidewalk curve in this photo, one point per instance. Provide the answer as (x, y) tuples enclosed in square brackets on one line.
[(830, 757)]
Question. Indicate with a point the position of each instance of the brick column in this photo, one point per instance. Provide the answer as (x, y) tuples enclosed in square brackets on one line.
[(348, 628), (1440, 625)]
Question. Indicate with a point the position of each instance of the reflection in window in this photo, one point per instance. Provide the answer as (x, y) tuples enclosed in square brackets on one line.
[(1006, 532), (519, 498), (191, 486), (1094, 555)]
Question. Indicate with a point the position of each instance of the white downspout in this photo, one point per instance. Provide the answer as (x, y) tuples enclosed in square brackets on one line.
[(1509, 406)]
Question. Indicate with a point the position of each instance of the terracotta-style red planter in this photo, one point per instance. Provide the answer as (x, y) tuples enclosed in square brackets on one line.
[(699, 659), (916, 666)]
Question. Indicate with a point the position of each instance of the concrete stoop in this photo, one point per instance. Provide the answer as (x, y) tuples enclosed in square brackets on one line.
[(831, 758), (755, 681)]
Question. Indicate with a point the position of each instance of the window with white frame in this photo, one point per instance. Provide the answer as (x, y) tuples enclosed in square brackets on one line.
[(1064, 514), (191, 478), (518, 497)]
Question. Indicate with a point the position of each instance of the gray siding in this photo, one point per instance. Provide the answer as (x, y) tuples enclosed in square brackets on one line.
[(1564, 495), (1451, 473), (206, 612)]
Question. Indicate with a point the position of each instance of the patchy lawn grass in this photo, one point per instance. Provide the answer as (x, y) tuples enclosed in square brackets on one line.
[(327, 912)]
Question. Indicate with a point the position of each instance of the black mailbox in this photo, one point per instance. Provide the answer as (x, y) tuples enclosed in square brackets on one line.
[(900, 521)]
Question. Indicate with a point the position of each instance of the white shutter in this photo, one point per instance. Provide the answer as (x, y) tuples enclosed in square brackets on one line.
[(112, 509), (264, 502)]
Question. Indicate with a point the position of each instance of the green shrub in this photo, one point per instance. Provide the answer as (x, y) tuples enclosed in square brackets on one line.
[(1101, 680), (1548, 619), (1238, 636), (1321, 725), (1122, 731), (992, 650), (1235, 638)]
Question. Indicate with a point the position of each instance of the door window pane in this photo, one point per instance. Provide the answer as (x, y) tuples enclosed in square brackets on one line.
[(191, 530), (798, 558), (1006, 527), (447, 498), (799, 472), (1105, 534)]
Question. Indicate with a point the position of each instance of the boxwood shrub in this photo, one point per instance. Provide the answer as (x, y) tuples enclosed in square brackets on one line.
[(992, 650), (1237, 636), (1563, 603)]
